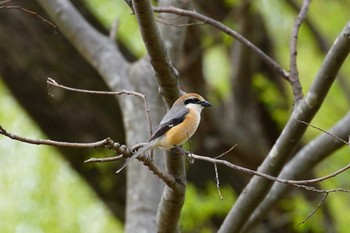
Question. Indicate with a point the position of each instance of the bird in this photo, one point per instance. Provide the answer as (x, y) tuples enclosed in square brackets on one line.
[(176, 127)]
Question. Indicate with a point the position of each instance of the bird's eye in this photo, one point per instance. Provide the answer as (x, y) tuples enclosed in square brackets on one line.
[(192, 101)]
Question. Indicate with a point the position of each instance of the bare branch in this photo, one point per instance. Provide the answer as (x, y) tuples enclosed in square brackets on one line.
[(257, 188), (105, 142), (28, 12), (165, 72), (294, 74), (324, 131), (52, 82), (168, 179), (160, 20), (297, 184), (4, 1), (217, 180), (109, 143), (114, 29), (104, 160), (195, 15), (314, 211), (332, 175), (323, 45), (315, 151)]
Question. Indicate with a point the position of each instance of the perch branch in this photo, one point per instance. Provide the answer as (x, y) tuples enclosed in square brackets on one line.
[(122, 151), (297, 184)]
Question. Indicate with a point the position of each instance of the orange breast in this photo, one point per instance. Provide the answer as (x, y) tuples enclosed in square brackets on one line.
[(179, 134)]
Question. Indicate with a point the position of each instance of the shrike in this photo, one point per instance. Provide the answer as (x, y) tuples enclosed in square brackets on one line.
[(177, 125)]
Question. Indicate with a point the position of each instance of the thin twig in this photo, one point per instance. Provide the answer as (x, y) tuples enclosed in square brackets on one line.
[(294, 74), (114, 158), (114, 29), (159, 20), (324, 131), (217, 181), (104, 142), (52, 82), (28, 12), (332, 175), (226, 152), (104, 160), (314, 211), (193, 14), (266, 176)]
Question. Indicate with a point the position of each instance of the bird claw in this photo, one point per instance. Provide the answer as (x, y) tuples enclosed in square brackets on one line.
[(177, 151)]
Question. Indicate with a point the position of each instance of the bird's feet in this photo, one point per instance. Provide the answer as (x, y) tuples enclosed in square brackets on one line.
[(178, 151)]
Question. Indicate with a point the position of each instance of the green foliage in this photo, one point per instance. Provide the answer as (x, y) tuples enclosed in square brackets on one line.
[(272, 99), (217, 69), (201, 207), (39, 190)]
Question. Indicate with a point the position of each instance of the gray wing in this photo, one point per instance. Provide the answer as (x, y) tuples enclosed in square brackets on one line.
[(172, 118)]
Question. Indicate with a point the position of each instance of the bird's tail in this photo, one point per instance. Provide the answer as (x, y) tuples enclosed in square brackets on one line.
[(140, 151)]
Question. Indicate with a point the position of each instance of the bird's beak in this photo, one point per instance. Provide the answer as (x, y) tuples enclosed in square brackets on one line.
[(206, 103)]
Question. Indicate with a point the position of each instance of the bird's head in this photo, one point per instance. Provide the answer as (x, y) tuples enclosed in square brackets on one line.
[(192, 100)]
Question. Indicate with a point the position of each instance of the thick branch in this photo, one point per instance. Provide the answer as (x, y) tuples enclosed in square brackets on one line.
[(98, 49), (173, 196), (166, 74), (315, 152), (257, 188)]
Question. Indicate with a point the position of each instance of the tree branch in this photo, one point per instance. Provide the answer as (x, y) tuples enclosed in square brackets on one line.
[(323, 45), (257, 188), (51, 82), (167, 77), (28, 12), (195, 15), (314, 211), (294, 74), (170, 181), (165, 72), (315, 151), (98, 49), (294, 183), (107, 142)]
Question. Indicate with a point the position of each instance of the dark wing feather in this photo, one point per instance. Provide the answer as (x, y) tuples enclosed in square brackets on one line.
[(171, 119)]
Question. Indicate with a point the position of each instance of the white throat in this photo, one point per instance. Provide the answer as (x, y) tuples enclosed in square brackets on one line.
[(196, 107)]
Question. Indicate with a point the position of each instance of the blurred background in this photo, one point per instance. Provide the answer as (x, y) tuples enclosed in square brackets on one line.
[(46, 189)]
